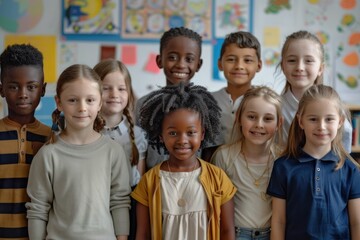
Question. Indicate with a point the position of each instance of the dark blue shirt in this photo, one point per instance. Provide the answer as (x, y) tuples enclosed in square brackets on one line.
[(316, 195)]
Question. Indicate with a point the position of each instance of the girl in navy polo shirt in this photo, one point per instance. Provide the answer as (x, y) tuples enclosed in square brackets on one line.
[(315, 185)]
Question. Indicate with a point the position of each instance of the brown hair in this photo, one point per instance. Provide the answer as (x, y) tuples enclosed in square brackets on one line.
[(107, 66), (72, 74)]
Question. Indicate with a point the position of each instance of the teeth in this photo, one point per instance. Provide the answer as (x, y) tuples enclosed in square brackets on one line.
[(180, 74)]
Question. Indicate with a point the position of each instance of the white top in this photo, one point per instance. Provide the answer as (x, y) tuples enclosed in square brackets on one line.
[(190, 221), (252, 205), (228, 114), (289, 109), (120, 134)]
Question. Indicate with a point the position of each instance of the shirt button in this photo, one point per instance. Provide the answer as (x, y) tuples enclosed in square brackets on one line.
[(318, 189), (22, 152), (22, 140), (318, 169), (317, 178)]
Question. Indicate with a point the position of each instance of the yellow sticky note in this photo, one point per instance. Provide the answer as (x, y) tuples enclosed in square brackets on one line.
[(271, 37), (46, 45)]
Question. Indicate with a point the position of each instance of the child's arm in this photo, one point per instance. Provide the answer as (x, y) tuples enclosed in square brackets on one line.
[(227, 228), (122, 237), (278, 219), (142, 222), (354, 217)]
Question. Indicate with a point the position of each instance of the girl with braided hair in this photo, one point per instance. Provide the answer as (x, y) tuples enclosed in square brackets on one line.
[(118, 104), (183, 197), (79, 182)]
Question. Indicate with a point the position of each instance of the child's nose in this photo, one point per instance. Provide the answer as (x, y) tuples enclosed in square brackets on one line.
[(23, 92)]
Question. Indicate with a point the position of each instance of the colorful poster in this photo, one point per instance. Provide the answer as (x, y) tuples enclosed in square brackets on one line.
[(149, 19), (90, 18), (232, 16)]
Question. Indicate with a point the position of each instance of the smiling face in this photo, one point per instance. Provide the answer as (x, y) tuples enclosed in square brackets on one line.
[(180, 59), (182, 134), (320, 122), (301, 65), (22, 87), (80, 100), (258, 121), (239, 65), (115, 95)]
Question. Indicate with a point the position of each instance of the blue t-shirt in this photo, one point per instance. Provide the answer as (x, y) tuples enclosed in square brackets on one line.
[(316, 195)]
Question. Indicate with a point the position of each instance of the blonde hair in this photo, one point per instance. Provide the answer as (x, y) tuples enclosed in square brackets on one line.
[(269, 96), (301, 35), (107, 66), (69, 75), (297, 136)]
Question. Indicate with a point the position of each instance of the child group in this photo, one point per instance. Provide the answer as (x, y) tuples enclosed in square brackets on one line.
[(275, 166)]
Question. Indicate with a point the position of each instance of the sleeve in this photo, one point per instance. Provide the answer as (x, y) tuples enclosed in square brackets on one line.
[(354, 183), (277, 185), (140, 193), (40, 192), (227, 188), (141, 142), (120, 191), (218, 158)]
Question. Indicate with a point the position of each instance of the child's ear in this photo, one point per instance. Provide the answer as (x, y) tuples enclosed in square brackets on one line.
[(158, 61), (43, 89), (199, 64), (298, 118), (220, 67), (321, 70), (341, 121), (259, 65), (202, 135), (280, 123)]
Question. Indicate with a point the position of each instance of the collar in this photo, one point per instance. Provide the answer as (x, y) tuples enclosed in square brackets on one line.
[(121, 127), (305, 157)]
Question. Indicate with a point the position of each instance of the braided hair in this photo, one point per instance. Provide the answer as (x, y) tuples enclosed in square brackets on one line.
[(179, 32), (107, 66), (171, 98)]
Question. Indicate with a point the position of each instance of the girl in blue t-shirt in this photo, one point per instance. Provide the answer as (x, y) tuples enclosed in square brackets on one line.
[(315, 185)]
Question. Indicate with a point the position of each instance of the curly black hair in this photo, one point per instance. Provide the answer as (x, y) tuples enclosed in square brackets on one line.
[(180, 32), (161, 102), (17, 55)]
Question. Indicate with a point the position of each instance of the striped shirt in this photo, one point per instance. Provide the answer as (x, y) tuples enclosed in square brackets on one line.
[(18, 145)]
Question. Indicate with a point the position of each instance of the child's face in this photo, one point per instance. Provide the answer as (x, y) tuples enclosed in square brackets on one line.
[(180, 59), (80, 101), (320, 122), (115, 94), (22, 87), (239, 65), (302, 64), (182, 134), (259, 121)]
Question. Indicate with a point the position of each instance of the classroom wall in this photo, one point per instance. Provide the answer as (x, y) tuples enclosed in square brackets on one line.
[(270, 21)]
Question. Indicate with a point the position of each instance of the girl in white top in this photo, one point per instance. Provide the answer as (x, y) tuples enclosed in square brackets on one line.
[(248, 160), (79, 182), (302, 62), (118, 104)]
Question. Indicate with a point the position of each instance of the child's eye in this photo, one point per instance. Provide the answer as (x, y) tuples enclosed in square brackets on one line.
[(122, 89), (192, 133), (312, 119), (32, 87), (172, 57), (91, 100), (106, 88), (251, 117), (72, 100), (190, 59), (230, 59), (330, 119), (13, 87), (269, 119), (172, 133), (248, 60), (291, 60)]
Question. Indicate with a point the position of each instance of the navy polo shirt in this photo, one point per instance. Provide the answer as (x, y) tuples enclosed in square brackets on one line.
[(316, 195)]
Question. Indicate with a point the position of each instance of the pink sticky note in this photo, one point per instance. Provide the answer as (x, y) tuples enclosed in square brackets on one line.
[(128, 54), (151, 64)]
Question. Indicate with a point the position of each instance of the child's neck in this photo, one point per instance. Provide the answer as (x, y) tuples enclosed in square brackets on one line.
[(317, 151), (113, 120), (237, 91), (255, 153), (181, 165), (298, 92), (81, 137)]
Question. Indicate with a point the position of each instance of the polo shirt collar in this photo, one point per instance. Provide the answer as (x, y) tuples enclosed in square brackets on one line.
[(330, 156)]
